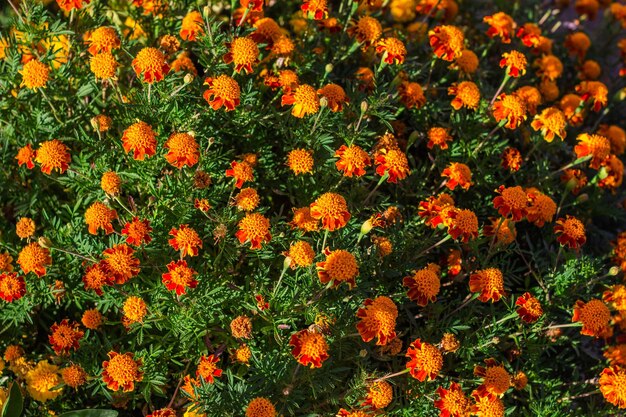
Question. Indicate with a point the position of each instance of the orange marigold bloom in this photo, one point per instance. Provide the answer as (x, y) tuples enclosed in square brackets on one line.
[(392, 50), (466, 94), (179, 277), (425, 360), (594, 316), (411, 94), (53, 154), (454, 262), (301, 254), (515, 62), (243, 52), (121, 262), (379, 395), (121, 371), (424, 285), (141, 139), (303, 220), (223, 91), (300, 161), (446, 41), (137, 232), (92, 319), (186, 240), (283, 47), (352, 160), (309, 348), (511, 108), (496, 379), (25, 155), (184, 63), (241, 327), (502, 25), (393, 163), (486, 405), (367, 30), (35, 74), (12, 286), (594, 91), (254, 228), (577, 43), (542, 208), (437, 210), (612, 383), (97, 276), (192, 26), (304, 98), (183, 150), (570, 232), (110, 183), (163, 412), (512, 201), (266, 30), (597, 146), (100, 216), (152, 64), (103, 39), (529, 308), (467, 62), (134, 309), (339, 266), (489, 282), (549, 90), (260, 407), (463, 224), (207, 368), (439, 136), (365, 78), (103, 65), (503, 230), (457, 174), (65, 336), (590, 70), (253, 5), (616, 295), (335, 96), (315, 9), (25, 228), (34, 258), (452, 402), (68, 5), (616, 355), (332, 210), (354, 413), (247, 200), (74, 376), (616, 135), (530, 35), (549, 67), (551, 122), (571, 105), (531, 96), (378, 319), (203, 205), (615, 173), (511, 159)]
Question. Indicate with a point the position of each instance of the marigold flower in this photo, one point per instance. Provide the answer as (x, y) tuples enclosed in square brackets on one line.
[(110, 183), (615, 173), (511, 108), (223, 91), (392, 50), (454, 262), (51, 155), (449, 343), (549, 90), (378, 319), (34, 258), (496, 379), (300, 161), (121, 262), (152, 64), (301, 254), (339, 266), (309, 348), (446, 41), (612, 382), (208, 369), (616, 135), (253, 5), (502, 25), (590, 70), (570, 232), (458, 174), (467, 62), (303, 220), (283, 47), (13, 352), (137, 232), (192, 26), (597, 146), (531, 96), (41, 380), (335, 96), (512, 201), (367, 30), (463, 224), (242, 354), (529, 34), (266, 30), (594, 91), (577, 43), (243, 52), (489, 282), (352, 160), (542, 208), (121, 371), (100, 216), (379, 395), (35, 74), (25, 228), (25, 155), (551, 122), (466, 94), (503, 230), (424, 285), (354, 413), (203, 205), (411, 94), (135, 309), (185, 239), (97, 276), (594, 316), (332, 210), (247, 200), (184, 63), (179, 277), (511, 159), (241, 327), (92, 319), (515, 62), (304, 98), (254, 228), (425, 360), (452, 402), (315, 9), (141, 139), (393, 163), (183, 150), (103, 65), (103, 39), (74, 376), (529, 308), (486, 405), (437, 210), (68, 5), (12, 286), (65, 336), (571, 105), (616, 355), (260, 407), (549, 67), (438, 136)]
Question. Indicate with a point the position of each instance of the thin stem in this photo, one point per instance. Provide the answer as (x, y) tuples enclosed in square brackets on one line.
[(402, 372), (445, 239), (87, 258), (280, 279), (504, 81)]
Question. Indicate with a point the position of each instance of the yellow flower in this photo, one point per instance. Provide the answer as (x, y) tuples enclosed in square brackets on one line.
[(40, 381)]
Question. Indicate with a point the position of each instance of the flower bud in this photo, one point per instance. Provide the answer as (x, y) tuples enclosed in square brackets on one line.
[(44, 242), (188, 78), (613, 271), (328, 68), (364, 106), (582, 198)]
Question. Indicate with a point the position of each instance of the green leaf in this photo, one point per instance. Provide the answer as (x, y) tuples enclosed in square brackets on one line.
[(90, 413), (15, 403)]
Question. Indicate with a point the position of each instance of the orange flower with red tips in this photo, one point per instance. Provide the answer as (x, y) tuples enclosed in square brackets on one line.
[(502, 25), (253, 5), (34, 258), (243, 52), (511, 159), (496, 379), (392, 50), (594, 91), (254, 228), (241, 171), (424, 285), (597, 146), (335, 96), (332, 210), (529, 308), (446, 41), (570, 232), (68, 5), (393, 163), (367, 30), (458, 174), (304, 98), (303, 220), (223, 91), (425, 361), (463, 224), (466, 94), (594, 316), (137, 232), (352, 160), (309, 348), (100, 216), (183, 150), (53, 155), (207, 368), (551, 122), (97, 276), (141, 139), (65, 336), (511, 108), (612, 382), (486, 405), (512, 201), (432, 210), (151, 63), (179, 277), (489, 283), (315, 9), (452, 402), (121, 262), (103, 39), (121, 371), (378, 319), (438, 136), (186, 240), (515, 62), (192, 26), (339, 266), (25, 155), (411, 95), (530, 35), (542, 208), (379, 395), (12, 286)]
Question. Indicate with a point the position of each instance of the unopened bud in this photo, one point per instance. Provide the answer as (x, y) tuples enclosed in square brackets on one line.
[(613, 271), (367, 227), (328, 68), (44, 242), (582, 198), (364, 106), (188, 78), (323, 102), (287, 262), (363, 353)]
